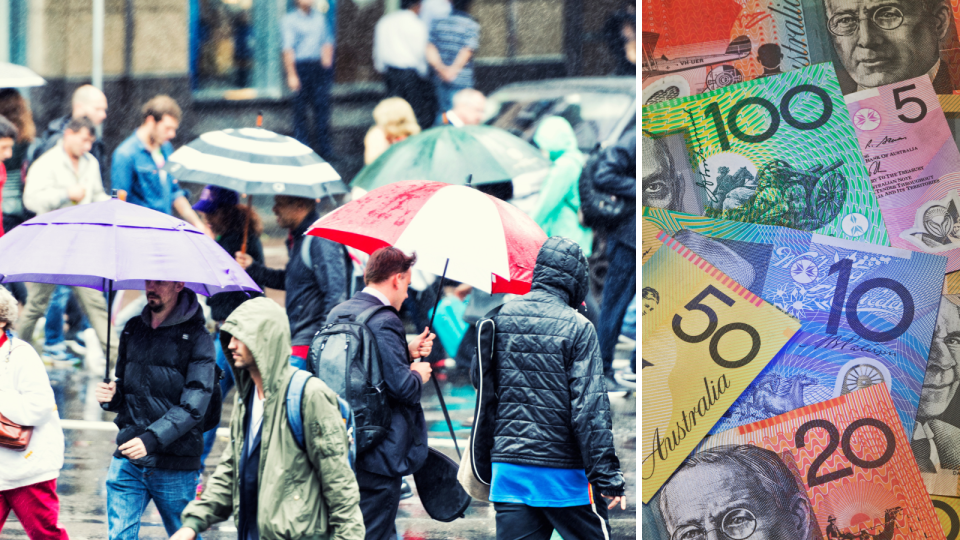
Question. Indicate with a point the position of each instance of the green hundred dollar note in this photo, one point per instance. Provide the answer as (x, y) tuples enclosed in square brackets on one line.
[(775, 151), (705, 338)]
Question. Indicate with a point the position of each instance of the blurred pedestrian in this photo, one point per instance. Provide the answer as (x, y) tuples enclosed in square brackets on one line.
[(139, 160), (433, 10), (315, 278), (28, 487), (8, 136), (453, 42), (16, 109), (559, 200), (616, 174), (381, 468), (548, 474), (308, 63), (137, 168), (620, 33), (468, 109), (400, 55), (315, 495), (165, 376), (90, 103), (66, 175), (87, 102), (395, 121), (227, 218)]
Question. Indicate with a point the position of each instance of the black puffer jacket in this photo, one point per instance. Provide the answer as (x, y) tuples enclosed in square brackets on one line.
[(166, 377), (553, 409)]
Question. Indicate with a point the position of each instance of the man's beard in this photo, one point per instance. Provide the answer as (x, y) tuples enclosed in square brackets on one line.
[(155, 307)]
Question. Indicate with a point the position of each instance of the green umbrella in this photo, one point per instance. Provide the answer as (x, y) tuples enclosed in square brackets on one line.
[(451, 154)]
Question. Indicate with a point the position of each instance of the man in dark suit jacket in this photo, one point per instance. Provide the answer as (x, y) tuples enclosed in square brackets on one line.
[(381, 468)]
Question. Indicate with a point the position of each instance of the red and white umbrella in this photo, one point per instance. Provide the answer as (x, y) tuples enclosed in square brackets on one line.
[(478, 239)]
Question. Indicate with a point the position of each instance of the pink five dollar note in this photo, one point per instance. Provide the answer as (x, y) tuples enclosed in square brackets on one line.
[(835, 469), (914, 165)]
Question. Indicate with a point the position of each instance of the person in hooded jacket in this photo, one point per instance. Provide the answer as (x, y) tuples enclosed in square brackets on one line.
[(559, 200), (166, 373), (553, 447), (316, 496), (28, 478)]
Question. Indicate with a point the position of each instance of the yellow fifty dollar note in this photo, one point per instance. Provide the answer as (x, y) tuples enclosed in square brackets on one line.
[(948, 510), (705, 338)]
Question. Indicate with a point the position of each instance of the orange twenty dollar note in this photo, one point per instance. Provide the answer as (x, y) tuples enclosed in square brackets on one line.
[(837, 469)]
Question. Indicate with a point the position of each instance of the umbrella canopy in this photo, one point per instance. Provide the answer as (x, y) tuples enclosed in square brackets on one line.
[(16, 76), (488, 243), (451, 154), (255, 161), (120, 244)]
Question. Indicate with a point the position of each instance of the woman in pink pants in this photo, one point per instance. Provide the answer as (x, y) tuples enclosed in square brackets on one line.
[(28, 478)]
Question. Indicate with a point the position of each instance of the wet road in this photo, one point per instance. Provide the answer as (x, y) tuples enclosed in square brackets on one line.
[(90, 435)]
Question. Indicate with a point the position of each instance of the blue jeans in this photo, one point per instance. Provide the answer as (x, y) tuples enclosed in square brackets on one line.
[(619, 289), (226, 383), (53, 329), (130, 488), (315, 85)]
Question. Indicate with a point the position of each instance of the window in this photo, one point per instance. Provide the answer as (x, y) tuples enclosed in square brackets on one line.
[(235, 48)]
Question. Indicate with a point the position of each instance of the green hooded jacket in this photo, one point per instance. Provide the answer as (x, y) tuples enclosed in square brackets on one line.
[(309, 495), (560, 196)]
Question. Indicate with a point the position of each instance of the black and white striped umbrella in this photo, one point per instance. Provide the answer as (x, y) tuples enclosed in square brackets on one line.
[(255, 161)]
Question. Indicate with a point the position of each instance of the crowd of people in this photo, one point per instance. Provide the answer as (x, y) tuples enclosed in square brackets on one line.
[(172, 373)]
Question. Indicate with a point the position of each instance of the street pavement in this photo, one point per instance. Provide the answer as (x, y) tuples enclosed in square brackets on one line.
[(90, 442)]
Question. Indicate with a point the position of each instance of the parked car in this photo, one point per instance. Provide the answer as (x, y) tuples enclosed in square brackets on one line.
[(598, 108)]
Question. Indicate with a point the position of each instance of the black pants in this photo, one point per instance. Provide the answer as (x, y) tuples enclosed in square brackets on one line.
[(315, 84), (419, 93), (379, 502), (522, 522)]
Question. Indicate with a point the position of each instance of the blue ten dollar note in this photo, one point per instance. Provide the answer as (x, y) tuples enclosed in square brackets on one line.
[(867, 312)]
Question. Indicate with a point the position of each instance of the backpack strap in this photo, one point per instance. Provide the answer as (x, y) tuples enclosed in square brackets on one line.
[(368, 313), (305, 252), (295, 403)]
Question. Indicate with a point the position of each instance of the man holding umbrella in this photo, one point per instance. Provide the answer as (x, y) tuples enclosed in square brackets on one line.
[(165, 378), (315, 278)]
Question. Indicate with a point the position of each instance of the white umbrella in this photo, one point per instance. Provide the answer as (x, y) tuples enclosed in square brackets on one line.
[(16, 76)]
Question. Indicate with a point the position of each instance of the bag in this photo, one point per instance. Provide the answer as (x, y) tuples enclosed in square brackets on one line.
[(298, 383), (600, 210), (475, 488), (13, 435), (344, 355), (211, 420), (440, 493), (484, 377)]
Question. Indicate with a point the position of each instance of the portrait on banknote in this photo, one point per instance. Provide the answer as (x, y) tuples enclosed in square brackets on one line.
[(880, 42), (667, 177), (936, 437), (745, 262), (744, 490)]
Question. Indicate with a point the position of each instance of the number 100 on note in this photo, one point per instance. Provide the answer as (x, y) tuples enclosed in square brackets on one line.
[(776, 151)]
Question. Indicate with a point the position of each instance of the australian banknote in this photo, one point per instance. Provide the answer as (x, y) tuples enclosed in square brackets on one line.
[(914, 165), (690, 46), (880, 43), (706, 338), (948, 511), (867, 312), (936, 436), (778, 151), (839, 469)]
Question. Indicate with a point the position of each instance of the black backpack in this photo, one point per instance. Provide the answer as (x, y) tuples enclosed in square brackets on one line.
[(599, 209), (344, 355)]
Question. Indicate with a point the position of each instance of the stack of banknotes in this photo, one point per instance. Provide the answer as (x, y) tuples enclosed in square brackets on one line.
[(800, 251)]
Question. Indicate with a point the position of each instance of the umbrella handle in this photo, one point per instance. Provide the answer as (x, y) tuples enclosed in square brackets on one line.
[(246, 224), (106, 375)]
